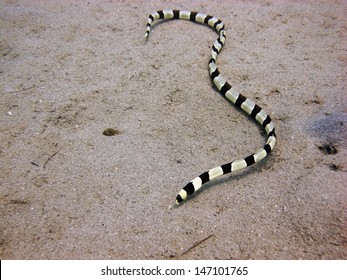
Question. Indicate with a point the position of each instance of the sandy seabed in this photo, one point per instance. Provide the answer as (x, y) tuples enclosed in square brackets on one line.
[(71, 69)]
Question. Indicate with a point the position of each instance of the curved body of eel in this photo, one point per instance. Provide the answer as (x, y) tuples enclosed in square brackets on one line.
[(226, 90)]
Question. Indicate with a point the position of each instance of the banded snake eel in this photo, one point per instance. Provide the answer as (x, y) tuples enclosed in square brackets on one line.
[(227, 91)]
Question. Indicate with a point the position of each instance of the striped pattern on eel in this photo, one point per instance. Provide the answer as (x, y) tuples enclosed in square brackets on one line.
[(227, 91)]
